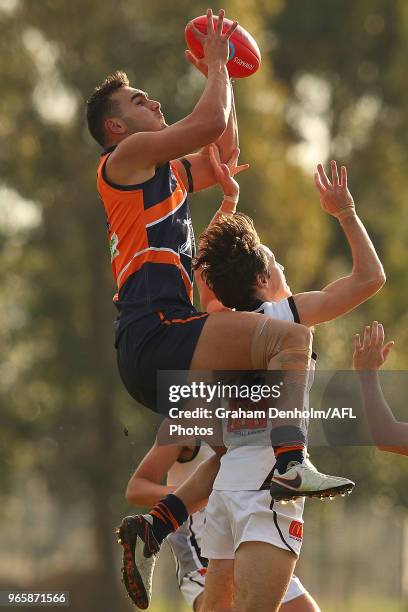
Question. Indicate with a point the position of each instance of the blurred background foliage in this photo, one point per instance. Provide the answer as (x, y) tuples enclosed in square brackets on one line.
[(331, 85)]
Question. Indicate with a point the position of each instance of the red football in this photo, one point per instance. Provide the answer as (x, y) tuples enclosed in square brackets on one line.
[(244, 54)]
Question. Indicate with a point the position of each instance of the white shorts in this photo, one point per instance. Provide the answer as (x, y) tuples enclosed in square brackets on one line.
[(295, 589), (233, 517), (192, 585)]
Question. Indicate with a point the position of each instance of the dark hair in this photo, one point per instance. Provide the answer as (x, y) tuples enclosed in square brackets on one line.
[(230, 256), (100, 105)]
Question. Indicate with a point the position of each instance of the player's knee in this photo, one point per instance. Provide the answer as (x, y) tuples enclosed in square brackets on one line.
[(246, 599), (297, 337), (272, 338)]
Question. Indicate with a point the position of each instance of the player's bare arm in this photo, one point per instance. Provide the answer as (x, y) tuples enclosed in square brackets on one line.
[(137, 155), (224, 175), (145, 487), (367, 276), (370, 354), (199, 164)]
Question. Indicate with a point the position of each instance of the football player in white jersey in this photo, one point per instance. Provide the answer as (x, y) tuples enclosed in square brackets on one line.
[(370, 354), (247, 536), (145, 488)]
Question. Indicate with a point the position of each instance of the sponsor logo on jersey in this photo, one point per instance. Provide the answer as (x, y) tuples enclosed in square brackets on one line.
[(236, 424), (296, 530), (188, 246), (113, 246)]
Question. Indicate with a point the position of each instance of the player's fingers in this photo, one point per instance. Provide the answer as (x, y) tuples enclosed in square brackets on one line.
[(190, 57), (380, 335), (213, 152), (210, 22), (216, 152), (366, 337), (220, 21), (357, 342), (231, 30), (234, 157), (319, 184), (387, 348), (343, 177), (323, 176), (201, 37), (225, 171), (239, 169), (214, 157), (374, 334), (194, 60), (334, 173)]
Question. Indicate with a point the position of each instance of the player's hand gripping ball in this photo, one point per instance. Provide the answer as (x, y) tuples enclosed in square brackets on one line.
[(244, 54)]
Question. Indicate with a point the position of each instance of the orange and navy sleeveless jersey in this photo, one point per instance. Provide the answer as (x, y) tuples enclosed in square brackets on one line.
[(151, 242)]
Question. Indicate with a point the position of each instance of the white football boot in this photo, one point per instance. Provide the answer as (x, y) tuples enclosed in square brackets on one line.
[(303, 480)]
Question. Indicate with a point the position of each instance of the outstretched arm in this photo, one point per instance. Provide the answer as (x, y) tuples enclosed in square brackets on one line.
[(145, 487), (207, 122), (367, 276), (223, 174), (199, 164), (388, 434)]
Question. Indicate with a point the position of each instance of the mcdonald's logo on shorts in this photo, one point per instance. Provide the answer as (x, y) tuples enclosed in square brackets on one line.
[(296, 530)]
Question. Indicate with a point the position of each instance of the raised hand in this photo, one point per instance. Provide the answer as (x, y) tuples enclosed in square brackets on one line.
[(372, 353), (214, 42), (335, 197), (198, 63), (224, 173)]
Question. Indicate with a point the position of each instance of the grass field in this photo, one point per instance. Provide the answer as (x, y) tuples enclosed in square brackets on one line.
[(365, 605), (357, 605)]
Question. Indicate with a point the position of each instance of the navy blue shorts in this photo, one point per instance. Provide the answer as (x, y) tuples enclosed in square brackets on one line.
[(163, 340)]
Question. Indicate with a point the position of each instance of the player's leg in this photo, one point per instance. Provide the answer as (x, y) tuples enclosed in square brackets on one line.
[(249, 341), (192, 589), (297, 599), (195, 491), (198, 602), (228, 341), (217, 545), (219, 586), (273, 345), (262, 573), (141, 535), (303, 603)]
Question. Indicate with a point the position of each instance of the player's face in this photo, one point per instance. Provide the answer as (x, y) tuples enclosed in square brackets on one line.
[(276, 287), (138, 112)]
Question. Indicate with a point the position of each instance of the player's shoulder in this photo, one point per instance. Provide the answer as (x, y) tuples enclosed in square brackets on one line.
[(127, 165), (118, 177), (284, 309)]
